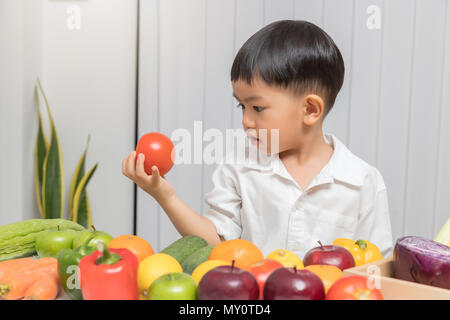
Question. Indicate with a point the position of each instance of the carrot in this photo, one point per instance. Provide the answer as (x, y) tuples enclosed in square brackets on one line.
[(45, 288), (11, 267), (7, 265), (19, 283)]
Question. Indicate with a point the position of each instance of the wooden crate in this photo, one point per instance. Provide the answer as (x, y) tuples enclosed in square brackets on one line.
[(381, 273)]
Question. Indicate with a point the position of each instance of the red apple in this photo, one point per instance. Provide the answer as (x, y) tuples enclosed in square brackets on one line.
[(331, 255), (261, 270), (293, 284), (228, 283)]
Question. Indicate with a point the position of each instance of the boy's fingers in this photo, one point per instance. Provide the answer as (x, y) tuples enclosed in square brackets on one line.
[(124, 166), (140, 172), (155, 174), (131, 167)]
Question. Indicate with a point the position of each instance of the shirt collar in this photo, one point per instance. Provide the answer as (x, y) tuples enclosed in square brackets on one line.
[(342, 166)]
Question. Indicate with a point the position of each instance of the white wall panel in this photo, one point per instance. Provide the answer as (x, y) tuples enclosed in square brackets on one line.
[(392, 110), (426, 97), (312, 11), (90, 79), (364, 99), (442, 202), (275, 10), (248, 20), (182, 85), (338, 20), (88, 74), (16, 109), (218, 103), (148, 210)]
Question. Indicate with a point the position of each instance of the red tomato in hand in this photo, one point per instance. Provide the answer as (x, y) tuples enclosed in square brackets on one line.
[(353, 288), (157, 149), (262, 270)]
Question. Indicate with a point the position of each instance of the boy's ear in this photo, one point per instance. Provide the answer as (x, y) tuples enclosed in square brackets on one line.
[(314, 109)]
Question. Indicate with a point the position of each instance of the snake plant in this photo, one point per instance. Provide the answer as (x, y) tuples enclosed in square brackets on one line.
[(49, 174)]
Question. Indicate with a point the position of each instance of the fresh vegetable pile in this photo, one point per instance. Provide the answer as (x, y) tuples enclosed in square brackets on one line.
[(92, 265)]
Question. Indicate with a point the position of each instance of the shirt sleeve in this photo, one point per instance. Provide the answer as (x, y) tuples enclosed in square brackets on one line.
[(374, 223), (224, 203)]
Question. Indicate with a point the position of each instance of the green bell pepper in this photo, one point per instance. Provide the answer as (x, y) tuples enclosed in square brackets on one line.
[(68, 260)]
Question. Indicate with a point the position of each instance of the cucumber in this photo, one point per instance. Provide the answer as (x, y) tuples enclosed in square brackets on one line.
[(184, 247), (196, 258), (18, 239)]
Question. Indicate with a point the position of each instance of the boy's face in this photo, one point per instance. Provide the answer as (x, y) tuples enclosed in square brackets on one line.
[(268, 107)]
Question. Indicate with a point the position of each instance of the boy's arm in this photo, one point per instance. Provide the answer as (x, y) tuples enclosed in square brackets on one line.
[(185, 220), (189, 222)]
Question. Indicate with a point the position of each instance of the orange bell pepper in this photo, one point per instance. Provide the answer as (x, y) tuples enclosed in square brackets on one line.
[(362, 251)]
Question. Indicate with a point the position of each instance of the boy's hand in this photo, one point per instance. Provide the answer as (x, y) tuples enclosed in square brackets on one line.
[(157, 186)]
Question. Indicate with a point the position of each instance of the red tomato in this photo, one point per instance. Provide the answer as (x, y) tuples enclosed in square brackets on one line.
[(353, 288), (262, 270), (157, 149)]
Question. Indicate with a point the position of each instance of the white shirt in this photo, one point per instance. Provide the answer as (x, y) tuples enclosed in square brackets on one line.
[(258, 200)]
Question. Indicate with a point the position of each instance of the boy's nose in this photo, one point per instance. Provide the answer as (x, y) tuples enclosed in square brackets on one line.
[(247, 122)]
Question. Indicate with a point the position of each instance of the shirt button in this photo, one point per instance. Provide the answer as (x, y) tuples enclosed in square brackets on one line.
[(298, 205)]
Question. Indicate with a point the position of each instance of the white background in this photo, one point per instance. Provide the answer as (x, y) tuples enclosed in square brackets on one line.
[(393, 110)]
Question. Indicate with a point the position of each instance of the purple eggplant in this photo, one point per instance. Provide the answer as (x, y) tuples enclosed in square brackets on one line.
[(421, 260)]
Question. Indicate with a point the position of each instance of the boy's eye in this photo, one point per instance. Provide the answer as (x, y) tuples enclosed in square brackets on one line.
[(257, 109)]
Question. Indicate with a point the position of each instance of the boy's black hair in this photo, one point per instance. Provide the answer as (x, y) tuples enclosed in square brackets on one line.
[(292, 54)]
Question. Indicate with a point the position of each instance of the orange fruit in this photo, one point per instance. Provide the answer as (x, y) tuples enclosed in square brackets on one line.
[(328, 274), (139, 246), (287, 258), (243, 252)]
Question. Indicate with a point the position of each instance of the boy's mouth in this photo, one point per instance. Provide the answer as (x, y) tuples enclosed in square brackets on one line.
[(254, 140), (252, 135)]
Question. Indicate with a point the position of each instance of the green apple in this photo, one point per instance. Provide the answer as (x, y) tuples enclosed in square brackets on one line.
[(49, 243), (173, 286), (98, 236)]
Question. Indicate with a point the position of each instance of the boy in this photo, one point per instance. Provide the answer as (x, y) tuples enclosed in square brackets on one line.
[(286, 78)]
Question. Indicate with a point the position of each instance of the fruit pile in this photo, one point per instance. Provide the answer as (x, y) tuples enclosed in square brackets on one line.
[(92, 265), (281, 275)]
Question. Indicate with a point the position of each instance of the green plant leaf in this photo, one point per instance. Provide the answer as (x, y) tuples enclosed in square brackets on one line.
[(81, 208), (53, 172), (77, 176), (40, 150)]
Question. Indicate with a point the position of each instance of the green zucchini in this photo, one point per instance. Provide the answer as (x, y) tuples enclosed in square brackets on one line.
[(196, 258), (184, 247), (18, 239)]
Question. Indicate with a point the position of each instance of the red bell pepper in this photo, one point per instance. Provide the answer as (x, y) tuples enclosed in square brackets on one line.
[(109, 274)]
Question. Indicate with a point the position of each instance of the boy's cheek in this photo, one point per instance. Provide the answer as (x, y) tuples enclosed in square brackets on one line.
[(269, 148), (274, 144)]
